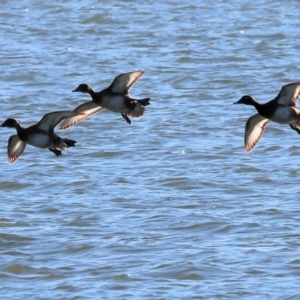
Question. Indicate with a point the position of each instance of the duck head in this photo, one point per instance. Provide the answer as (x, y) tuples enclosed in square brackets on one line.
[(83, 88), (11, 123), (248, 100)]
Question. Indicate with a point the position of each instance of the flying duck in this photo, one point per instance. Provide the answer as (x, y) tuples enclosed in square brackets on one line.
[(115, 98), (282, 110), (40, 135)]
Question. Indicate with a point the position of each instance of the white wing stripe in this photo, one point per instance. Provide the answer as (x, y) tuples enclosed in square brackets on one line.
[(49, 121), (83, 111), (254, 130), (15, 148), (123, 82), (289, 94)]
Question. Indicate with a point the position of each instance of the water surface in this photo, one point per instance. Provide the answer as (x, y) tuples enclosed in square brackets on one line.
[(169, 207)]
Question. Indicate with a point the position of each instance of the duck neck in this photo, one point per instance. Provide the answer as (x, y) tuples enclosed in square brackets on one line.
[(19, 128), (256, 104), (92, 93)]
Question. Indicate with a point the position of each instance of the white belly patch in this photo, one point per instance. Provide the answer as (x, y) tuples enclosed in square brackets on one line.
[(114, 103), (284, 115), (39, 140)]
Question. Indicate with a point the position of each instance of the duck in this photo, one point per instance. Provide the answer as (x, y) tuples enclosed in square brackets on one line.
[(115, 98), (40, 135), (282, 109)]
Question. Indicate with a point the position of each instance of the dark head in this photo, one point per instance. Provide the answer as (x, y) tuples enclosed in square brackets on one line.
[(83, 88), (248, 100), (11, 123)]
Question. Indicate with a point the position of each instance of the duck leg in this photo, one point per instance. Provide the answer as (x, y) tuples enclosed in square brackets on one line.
[(126, 118), (56, 152), (294, 126)]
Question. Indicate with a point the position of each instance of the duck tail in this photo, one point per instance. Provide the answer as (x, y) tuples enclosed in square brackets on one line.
[(144, 102), (137, 112), (69, 143)]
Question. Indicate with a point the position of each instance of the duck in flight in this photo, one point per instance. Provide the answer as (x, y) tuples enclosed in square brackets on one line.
[(282, 110), (40, 135), (115, 98)]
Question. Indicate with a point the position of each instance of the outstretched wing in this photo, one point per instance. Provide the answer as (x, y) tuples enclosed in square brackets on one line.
[(254, 130), (15, 148), (125, 81), (49, 121), (289, 94), (83, 111)]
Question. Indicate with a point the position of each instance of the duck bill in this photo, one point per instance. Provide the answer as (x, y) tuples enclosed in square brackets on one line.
[(237, 102)]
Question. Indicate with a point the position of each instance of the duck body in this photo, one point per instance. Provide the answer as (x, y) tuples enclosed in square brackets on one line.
[(282, 114), (286, 115), (39, 138), (113, 101), (115, 98), (120, 103), (282, 110), (40, 135)]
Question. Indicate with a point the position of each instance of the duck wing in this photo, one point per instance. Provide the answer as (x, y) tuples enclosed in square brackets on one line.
[(50, 120), (254, 130), (83, 111), (15, 148), (289, 94), (123, 82)]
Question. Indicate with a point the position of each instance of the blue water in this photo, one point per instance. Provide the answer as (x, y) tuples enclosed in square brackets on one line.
[(169, 207)]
